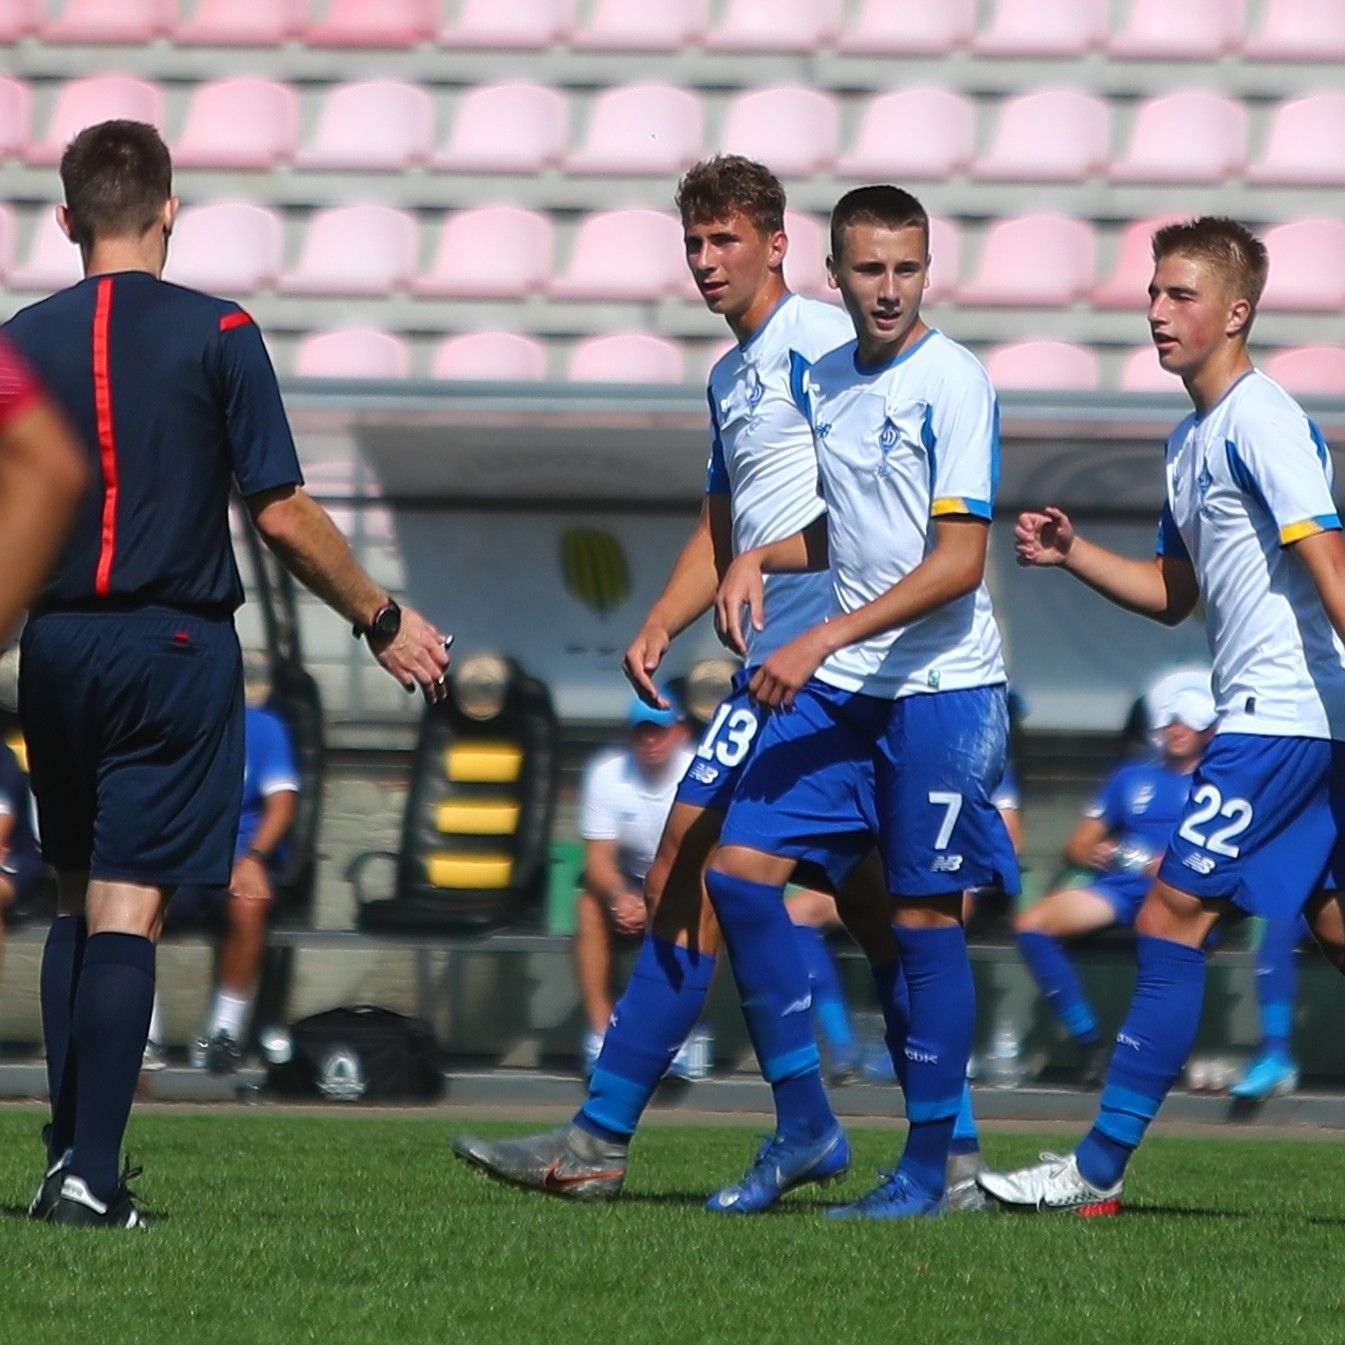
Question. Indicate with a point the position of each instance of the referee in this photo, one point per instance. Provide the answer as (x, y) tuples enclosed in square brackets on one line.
[(130, 683)]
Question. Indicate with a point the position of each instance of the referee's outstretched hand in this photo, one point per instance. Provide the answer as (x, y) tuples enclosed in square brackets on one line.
[(417, 656)]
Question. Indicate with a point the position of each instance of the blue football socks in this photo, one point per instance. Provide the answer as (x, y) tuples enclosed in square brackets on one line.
[(1151, 1048), (828, 998), (966, 1136), (1277, 985), (666, 993), (768, 965), (1048, 962), (108, 1029), (59, 978)]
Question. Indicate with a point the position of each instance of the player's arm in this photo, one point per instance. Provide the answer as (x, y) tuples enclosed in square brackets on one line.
[(1324, 555), (603, 877), (250, 875), (744, 586), (1090, 845)]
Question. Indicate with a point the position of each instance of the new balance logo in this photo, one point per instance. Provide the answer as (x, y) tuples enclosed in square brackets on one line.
[(704, 773), (946, 864), (1200, 863)]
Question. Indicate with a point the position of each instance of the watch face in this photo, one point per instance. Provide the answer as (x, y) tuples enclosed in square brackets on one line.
[(388, 620)]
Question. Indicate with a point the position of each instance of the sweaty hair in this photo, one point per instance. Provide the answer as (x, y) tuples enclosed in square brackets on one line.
[(883, 206), (716, 188), (116, 176), (1228, 247)]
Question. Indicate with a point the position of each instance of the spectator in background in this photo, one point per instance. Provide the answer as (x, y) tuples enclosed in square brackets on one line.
[(627, 794), (21, 868)]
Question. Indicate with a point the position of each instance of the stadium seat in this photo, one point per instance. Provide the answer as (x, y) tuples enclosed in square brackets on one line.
[(1304, 144), (496, 252), (919, 133), (1134, 266), (485, 357), (636, 25), (909, 28), (358, 249), (230, 248), (1195, 30), (1298, 30), (507, 128), (98, 21), (1193, 136), (1309, 370), (945, 258), (374, 124), (626, 357), (227, 23), (389, 23), (1055, 366), (531, 25), (1052, 135), (51, 261), (1044, 28), (806, 261), (1307, 266), (18, 17), (1033, 261), (625, 254), (352, 352), (640, 128), (239, 123), (16, 116), (1142, 372), (84, 102), (776, 25), (793, 129)]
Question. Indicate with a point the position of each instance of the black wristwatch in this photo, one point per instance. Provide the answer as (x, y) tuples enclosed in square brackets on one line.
[(386, 623)]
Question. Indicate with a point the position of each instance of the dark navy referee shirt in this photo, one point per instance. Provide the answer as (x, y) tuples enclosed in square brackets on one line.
[(174, 397)]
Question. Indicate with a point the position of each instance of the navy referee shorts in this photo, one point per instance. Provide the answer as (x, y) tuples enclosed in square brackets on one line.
[(134, 724)]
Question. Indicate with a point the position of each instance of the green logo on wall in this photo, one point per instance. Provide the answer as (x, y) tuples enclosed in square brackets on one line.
[(594, 567)]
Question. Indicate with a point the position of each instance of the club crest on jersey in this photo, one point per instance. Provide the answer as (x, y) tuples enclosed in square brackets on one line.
[(756, 389), (888, 438), (1203, 483)]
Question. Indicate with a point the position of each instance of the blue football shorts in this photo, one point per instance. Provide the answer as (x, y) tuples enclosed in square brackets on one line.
[(724, 749)]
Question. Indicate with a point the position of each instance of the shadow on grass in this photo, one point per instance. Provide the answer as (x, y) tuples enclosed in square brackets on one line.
[(696, 1200)]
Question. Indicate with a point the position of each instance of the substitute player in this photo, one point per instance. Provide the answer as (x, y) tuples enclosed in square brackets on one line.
[(893, 713), (1250, 527), (130, 684)]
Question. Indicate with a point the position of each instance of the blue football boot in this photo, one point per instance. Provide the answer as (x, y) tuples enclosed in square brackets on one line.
[(780, 1166)]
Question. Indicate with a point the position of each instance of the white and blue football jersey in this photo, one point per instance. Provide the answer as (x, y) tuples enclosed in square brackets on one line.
[(1244, 481), (762, 456), (899, 447)]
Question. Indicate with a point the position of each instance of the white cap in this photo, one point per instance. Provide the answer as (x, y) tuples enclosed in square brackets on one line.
[(1181, 695)]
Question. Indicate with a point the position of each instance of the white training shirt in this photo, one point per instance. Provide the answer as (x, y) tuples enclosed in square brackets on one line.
[(897, 448), (619, 803), (762, 457), (1244, 481)]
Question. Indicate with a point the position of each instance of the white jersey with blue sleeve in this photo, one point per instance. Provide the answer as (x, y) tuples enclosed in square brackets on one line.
[(899, 447), (1244, 481), (762, 456)]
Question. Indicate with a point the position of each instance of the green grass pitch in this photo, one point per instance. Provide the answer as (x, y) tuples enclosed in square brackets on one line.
[(342, 1227)]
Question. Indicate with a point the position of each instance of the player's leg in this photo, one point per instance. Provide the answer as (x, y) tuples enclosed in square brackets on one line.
[(239, 963), (1273, 1072), (813, 914), (593, 970)]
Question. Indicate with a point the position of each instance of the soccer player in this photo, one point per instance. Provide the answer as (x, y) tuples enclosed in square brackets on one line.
[(130, 687), (1248, 526), (761, 486), (893, 712), (1273, 1072), (1121, 838)]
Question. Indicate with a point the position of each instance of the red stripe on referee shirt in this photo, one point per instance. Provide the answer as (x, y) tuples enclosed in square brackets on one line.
[(231, 320), (107, 440)]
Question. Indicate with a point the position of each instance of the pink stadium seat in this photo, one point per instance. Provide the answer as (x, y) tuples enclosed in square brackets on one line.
[(925, 134), (945, 257), (1194, 30), (530, 25), (230, 248), (806, 260), (375, 124), (1034, 261), (637, 25), (52, 260), (1185, 137), (1056, 366), (625, 254), (490, 357), (16, 116), (626, 357), (1044, 28), (909, 28), (239, 123), (640, 128), (1306, 135), (1307, 266), (1142, 372), (1309, 370), (776, 25), (18, 17), (352, 352), (1053, 135), (507, 128), (389, 23), (1134, 267), (358, 249), (1298, 30), (496, 252), (83, 102), (241, 23), (111, 21), (791, 128)]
